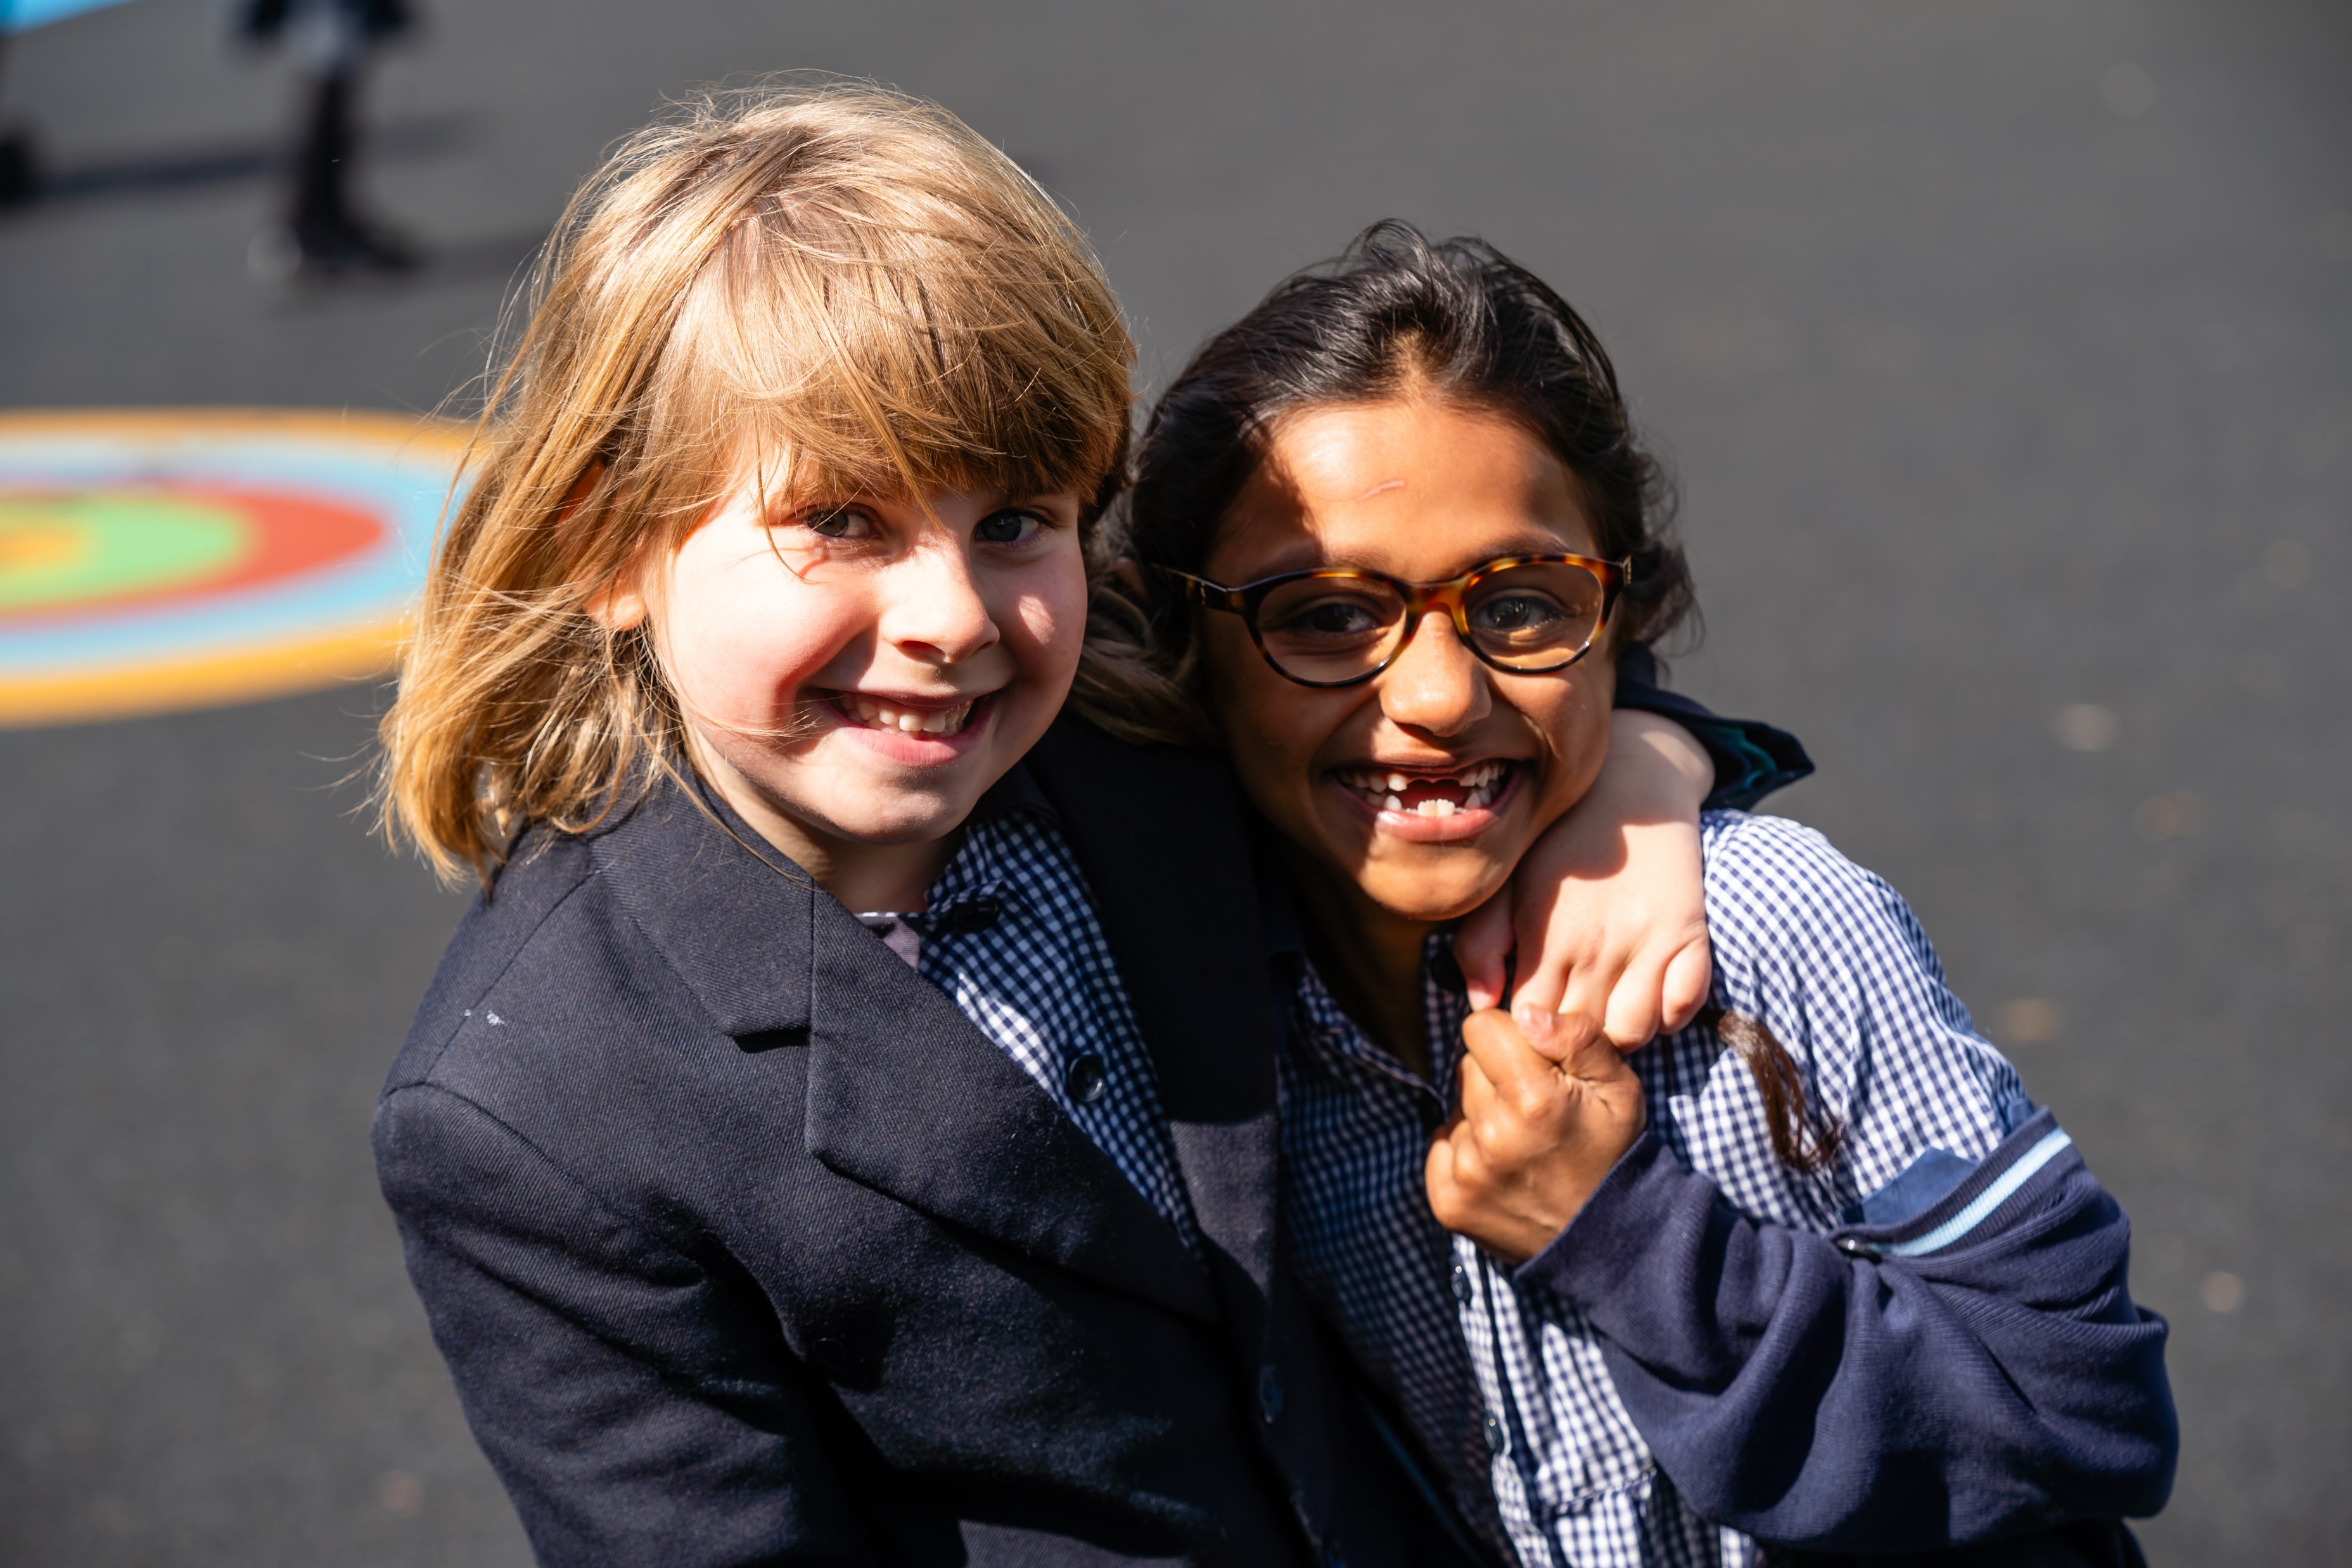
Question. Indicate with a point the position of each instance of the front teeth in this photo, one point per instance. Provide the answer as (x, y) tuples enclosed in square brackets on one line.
[(880, 716), (1478, 785)]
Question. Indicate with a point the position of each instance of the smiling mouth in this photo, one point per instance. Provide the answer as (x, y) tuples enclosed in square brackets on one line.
[(1430, 795), (872, 713)]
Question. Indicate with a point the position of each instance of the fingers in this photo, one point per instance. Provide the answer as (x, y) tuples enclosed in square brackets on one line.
[(1461, 1186), (1611, 1095), (1534, 1004), (1479, 1118), (1636, 1001), (1473, 1157), (1564, 975), (1500, 1069), (1600, 1063), (1585, 1001), (1494, 1173), (1689, 978), (1446, 1198), (1501, 1060), (1529, 1144), (1605, 904), (1629, 993), (1573, 985), (1482, 946)]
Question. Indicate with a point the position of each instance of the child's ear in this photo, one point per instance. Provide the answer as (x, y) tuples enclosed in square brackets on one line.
[(620, 604)]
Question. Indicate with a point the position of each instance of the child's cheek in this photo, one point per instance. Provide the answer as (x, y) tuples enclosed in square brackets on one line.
[(1051, 622), (795, 653), (1575, 719), (1050, 638), (749, 666)]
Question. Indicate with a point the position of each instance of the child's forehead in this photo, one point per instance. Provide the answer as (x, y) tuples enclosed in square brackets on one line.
[(770, 469)]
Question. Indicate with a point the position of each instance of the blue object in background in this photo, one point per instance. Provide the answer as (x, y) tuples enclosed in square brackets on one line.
[(23, 16)]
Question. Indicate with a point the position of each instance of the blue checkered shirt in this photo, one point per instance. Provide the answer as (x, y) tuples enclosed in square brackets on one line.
[(1010, 933), (1505, 1385)]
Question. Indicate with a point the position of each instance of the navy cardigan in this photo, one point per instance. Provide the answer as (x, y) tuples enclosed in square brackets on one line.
[(1973, 1373)]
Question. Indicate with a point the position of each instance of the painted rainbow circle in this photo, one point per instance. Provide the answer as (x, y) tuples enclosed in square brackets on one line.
[(152, 560)]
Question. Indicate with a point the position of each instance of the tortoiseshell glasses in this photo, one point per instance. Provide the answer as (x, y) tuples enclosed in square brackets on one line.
[(1527, 614)]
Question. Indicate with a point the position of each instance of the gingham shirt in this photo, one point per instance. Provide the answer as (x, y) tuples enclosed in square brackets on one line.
[(1010, 933), (1505, 1384)]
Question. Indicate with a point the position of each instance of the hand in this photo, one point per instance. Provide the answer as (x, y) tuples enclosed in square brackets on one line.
[(1608, 910), (1532, 1139)]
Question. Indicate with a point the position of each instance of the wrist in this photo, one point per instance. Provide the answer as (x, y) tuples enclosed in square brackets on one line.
[(1625, 1212), (1661, 763)]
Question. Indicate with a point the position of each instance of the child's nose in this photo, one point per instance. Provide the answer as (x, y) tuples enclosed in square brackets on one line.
[(935, 613), (1436, 683)]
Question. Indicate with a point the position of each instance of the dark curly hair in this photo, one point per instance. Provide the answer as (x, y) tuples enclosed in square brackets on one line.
[(1394, 312)]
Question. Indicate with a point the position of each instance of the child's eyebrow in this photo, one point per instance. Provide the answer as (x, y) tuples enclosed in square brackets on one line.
[(782, 509)]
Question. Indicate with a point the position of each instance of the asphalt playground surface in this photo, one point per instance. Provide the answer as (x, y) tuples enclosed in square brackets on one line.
[(2004, 352)]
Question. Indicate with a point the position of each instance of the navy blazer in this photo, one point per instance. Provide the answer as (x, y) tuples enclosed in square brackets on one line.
[(744, 1246)]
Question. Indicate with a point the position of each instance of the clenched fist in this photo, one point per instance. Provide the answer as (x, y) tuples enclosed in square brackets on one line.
[(1531, 1138)]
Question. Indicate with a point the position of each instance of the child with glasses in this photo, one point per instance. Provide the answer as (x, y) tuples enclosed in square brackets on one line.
[(1811, 1276)]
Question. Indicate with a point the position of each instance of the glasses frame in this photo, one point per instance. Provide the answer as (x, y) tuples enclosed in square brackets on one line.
[(1450, 596)]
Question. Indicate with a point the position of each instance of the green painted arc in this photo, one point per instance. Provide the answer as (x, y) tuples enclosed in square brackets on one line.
[(56, 552)]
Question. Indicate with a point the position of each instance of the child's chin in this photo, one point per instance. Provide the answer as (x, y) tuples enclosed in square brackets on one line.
[(1433, 896), (888, 819)]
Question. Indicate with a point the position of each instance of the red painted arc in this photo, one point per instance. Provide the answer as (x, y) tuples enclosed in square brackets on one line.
[(293, 535)]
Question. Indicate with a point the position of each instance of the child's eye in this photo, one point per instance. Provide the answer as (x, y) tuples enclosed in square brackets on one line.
[(836, 522), (1008, 527)]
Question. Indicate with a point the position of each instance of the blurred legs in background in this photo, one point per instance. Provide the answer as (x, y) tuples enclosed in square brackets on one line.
[(15, 141), (323, 235), (324, 227)]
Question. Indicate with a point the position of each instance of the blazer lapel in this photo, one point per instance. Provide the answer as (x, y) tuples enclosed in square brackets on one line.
[(1160, 835), (905, 1095)]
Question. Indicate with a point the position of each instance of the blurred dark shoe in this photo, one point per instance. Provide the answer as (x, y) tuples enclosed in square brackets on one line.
[(363, 247), (17, 178), (281, 254)]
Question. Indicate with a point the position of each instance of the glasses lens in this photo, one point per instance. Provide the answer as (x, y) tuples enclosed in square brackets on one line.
[(1537, 616), (1328, 628)]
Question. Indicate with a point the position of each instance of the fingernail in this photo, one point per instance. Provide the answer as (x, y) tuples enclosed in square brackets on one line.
[(1535, 1022)]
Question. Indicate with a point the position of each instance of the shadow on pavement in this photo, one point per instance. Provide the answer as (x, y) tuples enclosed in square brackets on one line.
[(230, 164)]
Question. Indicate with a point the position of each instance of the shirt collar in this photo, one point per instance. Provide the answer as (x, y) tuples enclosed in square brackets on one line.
[(979, 869), (976, 869)]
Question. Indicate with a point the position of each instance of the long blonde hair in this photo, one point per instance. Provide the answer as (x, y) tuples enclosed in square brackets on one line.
[(849, 283)]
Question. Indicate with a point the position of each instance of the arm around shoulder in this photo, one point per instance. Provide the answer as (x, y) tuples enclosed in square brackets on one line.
[(636, 1399)]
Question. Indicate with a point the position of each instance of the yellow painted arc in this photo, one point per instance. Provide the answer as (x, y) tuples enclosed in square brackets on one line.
[(392, 429)]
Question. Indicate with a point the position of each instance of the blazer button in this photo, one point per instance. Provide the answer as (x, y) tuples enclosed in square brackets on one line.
[(1269, 1393), (1084, 1080), (1496, 1440)]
